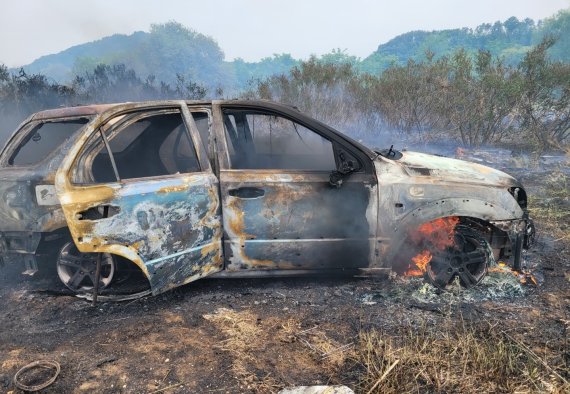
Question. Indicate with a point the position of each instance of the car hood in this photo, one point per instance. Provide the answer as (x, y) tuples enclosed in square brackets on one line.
[(452, 170)]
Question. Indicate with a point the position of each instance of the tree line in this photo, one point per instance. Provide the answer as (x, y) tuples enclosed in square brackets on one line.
[(510, 40), (22, 94), (474, 99), (171, 49)]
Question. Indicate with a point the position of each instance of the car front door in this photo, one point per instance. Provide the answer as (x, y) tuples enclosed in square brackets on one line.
[(138, 184), (279, 208)]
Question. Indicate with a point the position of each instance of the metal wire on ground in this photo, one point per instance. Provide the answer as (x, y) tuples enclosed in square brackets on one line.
[(46, 364)]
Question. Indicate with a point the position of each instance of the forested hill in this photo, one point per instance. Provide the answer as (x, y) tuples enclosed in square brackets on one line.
[(509, 40), (171, 49), (60, 66), (165, 52)]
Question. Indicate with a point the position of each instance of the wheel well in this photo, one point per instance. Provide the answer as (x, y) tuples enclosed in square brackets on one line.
[(124, 263), (51, 244), (48, 249), (498, 239)]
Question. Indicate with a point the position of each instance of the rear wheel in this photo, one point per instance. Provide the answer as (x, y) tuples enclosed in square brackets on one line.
[(76, 270)]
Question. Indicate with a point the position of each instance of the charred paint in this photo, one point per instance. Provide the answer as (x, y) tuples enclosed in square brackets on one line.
[(167, 223), (170, 189), (454, 188), (298, 222), (170, 227)]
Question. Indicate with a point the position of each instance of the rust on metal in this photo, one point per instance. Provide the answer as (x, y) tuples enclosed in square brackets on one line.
[(183, 226)]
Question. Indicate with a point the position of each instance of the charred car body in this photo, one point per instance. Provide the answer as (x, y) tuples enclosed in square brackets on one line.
[(186, 189)]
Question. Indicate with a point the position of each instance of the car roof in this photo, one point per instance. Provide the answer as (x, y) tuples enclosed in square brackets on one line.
[(95, 109), (64, 112)]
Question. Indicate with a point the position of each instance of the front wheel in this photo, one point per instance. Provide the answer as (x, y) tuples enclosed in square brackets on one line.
[(467, 258)]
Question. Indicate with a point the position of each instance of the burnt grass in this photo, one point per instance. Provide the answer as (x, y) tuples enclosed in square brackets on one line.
[(261, 335)]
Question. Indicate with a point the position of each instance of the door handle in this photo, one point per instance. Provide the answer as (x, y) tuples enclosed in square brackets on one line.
[(247, 192)]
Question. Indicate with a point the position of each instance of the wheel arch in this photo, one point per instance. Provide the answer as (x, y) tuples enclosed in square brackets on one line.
[(476, 213), (127, 252)]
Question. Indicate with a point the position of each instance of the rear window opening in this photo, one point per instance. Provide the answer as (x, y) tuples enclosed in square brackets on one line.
[(43, 139), (155, 145)]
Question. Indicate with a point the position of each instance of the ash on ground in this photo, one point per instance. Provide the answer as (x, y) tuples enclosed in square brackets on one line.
[(500, 283)]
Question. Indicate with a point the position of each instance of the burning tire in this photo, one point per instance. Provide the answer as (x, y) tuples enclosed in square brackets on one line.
[(467, 259), (76, 270), (442, 250)]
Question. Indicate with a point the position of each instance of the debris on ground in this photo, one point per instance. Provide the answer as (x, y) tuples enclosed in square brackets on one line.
[(317, 390), (37, 375)]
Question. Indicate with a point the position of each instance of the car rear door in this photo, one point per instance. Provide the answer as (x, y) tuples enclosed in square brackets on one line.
[(138, 184)]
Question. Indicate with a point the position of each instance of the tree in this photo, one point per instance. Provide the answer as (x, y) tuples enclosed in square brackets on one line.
[(22, 94), (172, 49), (544, 107), (408, 96), (480, 98), (557, 27), (330, 92), (112, 83)]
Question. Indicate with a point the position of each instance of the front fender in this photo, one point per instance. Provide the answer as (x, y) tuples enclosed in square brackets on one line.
[(487, 211), (471, 207)]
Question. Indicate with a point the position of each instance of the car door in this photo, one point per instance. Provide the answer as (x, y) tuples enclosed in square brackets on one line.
[(279, 208), (138, 184)]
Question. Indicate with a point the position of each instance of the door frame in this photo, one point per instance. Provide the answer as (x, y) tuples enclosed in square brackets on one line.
[(340, 142), (75, 198)]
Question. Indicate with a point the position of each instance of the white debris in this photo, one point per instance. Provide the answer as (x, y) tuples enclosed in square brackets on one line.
[(317, 390)]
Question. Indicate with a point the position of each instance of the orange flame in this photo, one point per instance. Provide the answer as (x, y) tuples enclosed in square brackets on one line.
[(421, 260), (440, 233), (525, 277)]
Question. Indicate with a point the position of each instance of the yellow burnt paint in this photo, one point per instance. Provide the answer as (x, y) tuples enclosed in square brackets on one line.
[(173, 189), (77, 199), (97, 245), (236, 228), (211, 247), (87, 196)]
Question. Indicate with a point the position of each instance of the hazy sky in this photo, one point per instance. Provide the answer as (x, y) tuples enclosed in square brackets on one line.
[(250, 29)]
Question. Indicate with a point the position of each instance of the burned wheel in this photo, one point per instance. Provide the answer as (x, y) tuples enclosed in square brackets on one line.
[(467, 258), (77, 270)]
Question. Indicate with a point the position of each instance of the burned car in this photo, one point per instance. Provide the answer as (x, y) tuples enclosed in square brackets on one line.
[(182, 190)]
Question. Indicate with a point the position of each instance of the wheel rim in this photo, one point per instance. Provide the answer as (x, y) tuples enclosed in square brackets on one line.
[(76, 270), (467, 259)]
